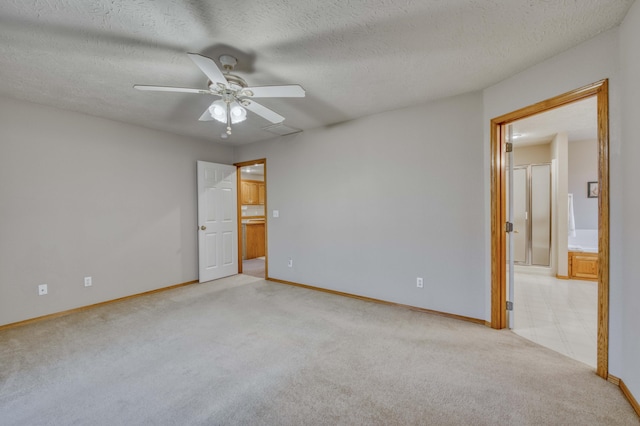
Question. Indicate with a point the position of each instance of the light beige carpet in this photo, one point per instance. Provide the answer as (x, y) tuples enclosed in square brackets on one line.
[(243, 351)]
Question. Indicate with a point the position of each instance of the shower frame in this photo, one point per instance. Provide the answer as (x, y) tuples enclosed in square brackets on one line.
[(529, 261)]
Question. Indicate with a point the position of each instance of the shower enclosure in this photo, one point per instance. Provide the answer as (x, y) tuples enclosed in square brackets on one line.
[(532, 214)]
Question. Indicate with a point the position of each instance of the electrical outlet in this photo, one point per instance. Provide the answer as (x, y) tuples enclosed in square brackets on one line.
[(87, 281), (290, 263), (42, 289), (419, 282)]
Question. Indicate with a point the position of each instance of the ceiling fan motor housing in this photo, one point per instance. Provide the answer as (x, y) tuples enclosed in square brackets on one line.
[(234, 80)]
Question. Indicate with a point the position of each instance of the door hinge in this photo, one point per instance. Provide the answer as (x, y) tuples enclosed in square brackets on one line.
[(508, 227), (509, 306), (508, 147)]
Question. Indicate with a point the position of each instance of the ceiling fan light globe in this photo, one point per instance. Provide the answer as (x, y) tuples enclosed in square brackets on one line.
[(217, 112), (238, 114)]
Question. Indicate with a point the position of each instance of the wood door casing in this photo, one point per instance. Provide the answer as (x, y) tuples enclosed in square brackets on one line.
[(498, 125)]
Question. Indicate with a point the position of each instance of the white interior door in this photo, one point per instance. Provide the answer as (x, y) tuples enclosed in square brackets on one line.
[(217, 221)]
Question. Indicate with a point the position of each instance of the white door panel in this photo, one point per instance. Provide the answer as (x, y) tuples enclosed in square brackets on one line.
[(217, 221)]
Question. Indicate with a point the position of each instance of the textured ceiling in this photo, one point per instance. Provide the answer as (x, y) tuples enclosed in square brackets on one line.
[(354, 58), (578, 119)]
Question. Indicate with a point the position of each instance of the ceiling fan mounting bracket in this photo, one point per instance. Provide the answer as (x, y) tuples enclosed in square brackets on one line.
[(228, 62)]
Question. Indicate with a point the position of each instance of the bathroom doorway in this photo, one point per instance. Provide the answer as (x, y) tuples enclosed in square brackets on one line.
[(555, 155), (501, 298)]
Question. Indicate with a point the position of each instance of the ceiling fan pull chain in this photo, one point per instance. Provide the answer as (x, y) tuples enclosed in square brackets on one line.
[(228, 118)]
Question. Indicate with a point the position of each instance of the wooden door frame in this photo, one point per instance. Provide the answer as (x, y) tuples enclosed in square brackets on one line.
[(239, 166), (599, 89)]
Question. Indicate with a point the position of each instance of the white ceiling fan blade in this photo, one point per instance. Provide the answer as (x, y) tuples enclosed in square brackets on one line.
[(208, 67), (286, 91), (169, 89), (262, 111), (206, 116)]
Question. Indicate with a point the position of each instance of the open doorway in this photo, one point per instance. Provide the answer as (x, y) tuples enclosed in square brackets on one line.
[(252, 226), (555, 229), (500, 302)]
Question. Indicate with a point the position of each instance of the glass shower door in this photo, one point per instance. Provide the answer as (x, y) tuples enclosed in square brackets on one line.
[(520, 215), (540, 207)]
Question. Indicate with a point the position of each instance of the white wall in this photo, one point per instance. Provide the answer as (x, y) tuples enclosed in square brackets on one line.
[(532, 154), (587, 63), (252, 210), (630, 65), (369, 205), (251, 176), (583, 168), (83, 196)]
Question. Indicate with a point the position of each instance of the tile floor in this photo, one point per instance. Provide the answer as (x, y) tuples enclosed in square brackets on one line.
[(558, 314)]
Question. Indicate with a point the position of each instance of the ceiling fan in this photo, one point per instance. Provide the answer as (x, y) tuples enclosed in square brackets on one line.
[(235, 95)]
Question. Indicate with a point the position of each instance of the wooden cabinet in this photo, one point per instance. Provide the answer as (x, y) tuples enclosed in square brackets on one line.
[(254, 240), (252, 192), (583, 266), (261, 193), (249, 192)]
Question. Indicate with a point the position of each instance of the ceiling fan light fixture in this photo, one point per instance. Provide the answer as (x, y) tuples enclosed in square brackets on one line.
[(238, 114), (218, 111), (234, 91)]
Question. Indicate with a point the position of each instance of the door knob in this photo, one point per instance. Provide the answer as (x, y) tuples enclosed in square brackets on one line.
[(203, 227)]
